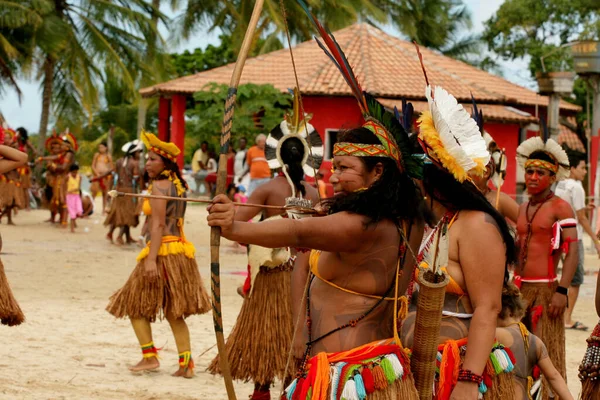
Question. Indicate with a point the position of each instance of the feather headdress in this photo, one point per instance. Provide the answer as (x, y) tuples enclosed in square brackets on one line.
[(393, 138), (542, 143), (52, 139), (498, 155), (449, 135), (295, 126), (69, 139), (155, 145)]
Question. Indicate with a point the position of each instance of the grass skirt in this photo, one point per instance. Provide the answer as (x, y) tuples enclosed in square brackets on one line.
[(260, 340), (178, 292), (551, 330), (12, 195), (123, 211), (497, 376), (10, 312), (375, 371)]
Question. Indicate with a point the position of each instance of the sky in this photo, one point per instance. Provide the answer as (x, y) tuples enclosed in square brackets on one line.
[(27, 114)]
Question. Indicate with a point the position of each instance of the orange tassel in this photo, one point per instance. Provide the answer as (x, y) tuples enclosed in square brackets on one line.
[(448, 369), (379, 378)]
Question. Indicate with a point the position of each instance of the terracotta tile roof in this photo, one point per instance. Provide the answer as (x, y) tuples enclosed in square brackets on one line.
[(569, 137), (387, 66), (491, 112)]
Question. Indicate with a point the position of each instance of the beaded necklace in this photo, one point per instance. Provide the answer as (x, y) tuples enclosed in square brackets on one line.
[(353, 322), (525, 248)]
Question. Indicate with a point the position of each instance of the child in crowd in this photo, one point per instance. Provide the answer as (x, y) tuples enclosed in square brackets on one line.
[(73, 191), (529, 351)]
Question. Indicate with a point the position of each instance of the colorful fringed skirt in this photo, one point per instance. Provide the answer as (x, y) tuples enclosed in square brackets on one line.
[(497, 377), (123, 210), (589, 370), (537, 297), (178, 292), (260, 340), (376, 371), (12, 194), (10, 312)]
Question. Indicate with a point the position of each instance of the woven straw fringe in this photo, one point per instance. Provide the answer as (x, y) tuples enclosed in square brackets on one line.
[(123, 211), (401, 389), (590, 390), (552, 330), (12, 196), (260, 340), (178, 292), (10, 312), (26, 181), (503, 387), (427, 331)]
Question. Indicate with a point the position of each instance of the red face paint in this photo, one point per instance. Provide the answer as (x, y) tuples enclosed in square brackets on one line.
[(537, 182)]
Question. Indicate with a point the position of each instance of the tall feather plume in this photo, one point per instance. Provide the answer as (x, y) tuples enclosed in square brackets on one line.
[(393, 124), (544, 133), (477, 114), (333, 50), (421, 61), (407, 115)]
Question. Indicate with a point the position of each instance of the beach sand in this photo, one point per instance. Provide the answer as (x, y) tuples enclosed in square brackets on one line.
[(71, 348)]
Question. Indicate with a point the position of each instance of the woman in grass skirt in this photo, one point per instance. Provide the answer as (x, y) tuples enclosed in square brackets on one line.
[(10, 312), (259, 343), (166, 282)]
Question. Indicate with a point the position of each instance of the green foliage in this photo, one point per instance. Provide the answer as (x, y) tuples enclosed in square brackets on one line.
[(536, 28), (188, 63), (258, 109), (232, 17)]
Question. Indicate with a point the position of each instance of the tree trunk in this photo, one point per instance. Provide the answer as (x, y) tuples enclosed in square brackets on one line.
[(110, 140), (48, 69)]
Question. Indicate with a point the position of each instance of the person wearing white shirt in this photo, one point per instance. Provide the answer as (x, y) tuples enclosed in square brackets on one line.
[(571, 190), (240, 167)]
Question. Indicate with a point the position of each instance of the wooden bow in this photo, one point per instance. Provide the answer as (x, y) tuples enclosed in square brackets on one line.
[(215, 232)]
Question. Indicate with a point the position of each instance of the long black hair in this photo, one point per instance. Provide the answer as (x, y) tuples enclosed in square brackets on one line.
[(441, 186), (393, 196), (173, 168), (292, 152)]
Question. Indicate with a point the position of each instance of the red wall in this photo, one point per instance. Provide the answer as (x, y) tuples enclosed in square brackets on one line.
[(331, 112), (507, 137)]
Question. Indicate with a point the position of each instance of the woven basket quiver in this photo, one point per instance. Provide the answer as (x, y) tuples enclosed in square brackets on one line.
[(432, 289)]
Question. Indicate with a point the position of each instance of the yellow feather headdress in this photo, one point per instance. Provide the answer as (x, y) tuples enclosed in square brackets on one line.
[(155, 145)]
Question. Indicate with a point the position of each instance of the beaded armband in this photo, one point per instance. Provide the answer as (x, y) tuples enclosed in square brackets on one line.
[(468, 376)]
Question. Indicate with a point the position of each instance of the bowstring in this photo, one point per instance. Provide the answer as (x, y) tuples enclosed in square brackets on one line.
[(289, 40), (301, 106)]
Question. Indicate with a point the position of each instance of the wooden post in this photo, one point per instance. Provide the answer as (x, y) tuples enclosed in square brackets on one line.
[(178, 125)]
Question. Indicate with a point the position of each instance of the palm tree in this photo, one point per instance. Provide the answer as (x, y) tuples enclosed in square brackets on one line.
[(97, 38), (232, 17), (17, 27), (436, 24)]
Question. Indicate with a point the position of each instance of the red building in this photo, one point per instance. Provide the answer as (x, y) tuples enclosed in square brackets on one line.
[(388, 68)]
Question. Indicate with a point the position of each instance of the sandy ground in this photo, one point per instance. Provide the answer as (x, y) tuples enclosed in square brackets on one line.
[(70, 348)]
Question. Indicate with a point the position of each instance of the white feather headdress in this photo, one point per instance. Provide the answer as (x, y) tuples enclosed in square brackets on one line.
[(451, 137), (548, 146)]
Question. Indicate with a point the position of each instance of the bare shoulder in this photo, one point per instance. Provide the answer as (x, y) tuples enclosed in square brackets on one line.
[(476, 219), (311, 193), (562, 208), (161, 186)]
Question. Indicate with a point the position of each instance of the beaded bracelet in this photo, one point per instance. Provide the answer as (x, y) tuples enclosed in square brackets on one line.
[(468, 376)]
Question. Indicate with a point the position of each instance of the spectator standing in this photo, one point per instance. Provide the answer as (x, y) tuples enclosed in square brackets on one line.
[(240, 166), (571, 190), (199, 166), (260, 173)]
